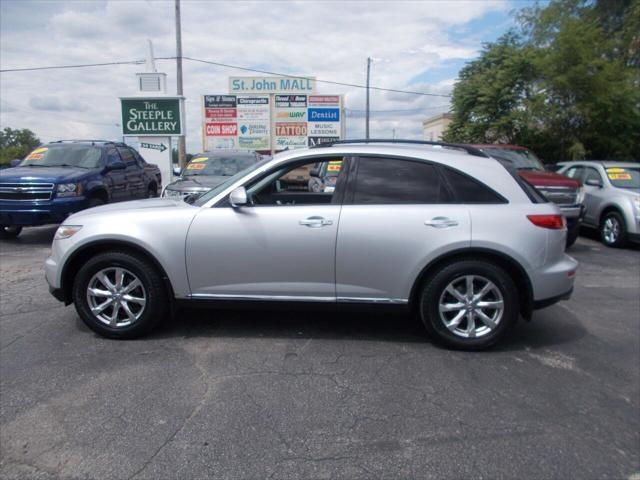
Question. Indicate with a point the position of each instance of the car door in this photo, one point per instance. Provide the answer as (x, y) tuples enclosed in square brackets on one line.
[(117, 179), (282, 247), (593, 195), (133, 174), (394, 219)]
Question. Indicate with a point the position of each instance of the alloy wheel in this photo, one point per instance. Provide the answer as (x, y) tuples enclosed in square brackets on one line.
[(116, 297), (611, 230), (471, 306)]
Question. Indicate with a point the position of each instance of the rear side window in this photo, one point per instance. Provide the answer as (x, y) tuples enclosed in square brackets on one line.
[(469, 190), (127, 156), (387, 181)]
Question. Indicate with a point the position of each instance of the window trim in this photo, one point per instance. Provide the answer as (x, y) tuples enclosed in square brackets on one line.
[(350, 191), (338, 194)]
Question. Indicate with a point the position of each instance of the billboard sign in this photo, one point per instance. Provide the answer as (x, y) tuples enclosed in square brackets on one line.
[(260, 122), (280, 85), (148, 117)]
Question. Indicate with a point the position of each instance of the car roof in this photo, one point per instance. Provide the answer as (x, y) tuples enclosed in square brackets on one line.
[(96, 143), (604, 163), (503, 146)]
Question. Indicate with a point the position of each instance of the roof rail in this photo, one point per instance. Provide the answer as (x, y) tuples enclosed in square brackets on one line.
[(83, 141), (467, 148)]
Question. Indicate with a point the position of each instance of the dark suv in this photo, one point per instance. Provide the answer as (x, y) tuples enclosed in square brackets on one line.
[(64, 177)]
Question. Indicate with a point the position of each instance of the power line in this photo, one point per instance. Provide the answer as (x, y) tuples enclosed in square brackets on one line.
[(83, 65), (355, 85), (226, 65)]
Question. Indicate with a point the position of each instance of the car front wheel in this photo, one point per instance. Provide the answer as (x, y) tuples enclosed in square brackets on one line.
[(119, 295), (612, 230), (469, 304)]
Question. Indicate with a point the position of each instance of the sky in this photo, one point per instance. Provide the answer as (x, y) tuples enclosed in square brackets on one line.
[(417, 45)]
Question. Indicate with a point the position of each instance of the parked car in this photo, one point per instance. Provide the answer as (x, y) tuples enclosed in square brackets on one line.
[(566, 192), (206, 170), (65, 177), (612, 198), (395, 232), (323, 176)]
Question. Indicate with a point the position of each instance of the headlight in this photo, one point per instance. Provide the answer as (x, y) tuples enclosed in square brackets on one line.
[(69, 189), (171, 193), (580, 195), (66, 231)]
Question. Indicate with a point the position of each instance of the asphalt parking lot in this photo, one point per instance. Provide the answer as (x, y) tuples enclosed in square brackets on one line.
[(291, 395)]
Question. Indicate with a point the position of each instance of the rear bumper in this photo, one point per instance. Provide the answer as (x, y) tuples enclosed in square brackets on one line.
[(33, 213), (554, 282), (547, 302)]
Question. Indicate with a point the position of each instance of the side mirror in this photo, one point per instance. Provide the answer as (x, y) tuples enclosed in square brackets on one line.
[(116, 165), (15, 163), (176, 171), (592, 182), (238, 197)]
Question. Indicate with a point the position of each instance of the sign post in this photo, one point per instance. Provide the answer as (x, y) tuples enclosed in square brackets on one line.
[(154, 120)]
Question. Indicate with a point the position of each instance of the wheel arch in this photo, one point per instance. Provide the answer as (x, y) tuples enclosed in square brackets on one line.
[(611, 207), (100, 192), (508, 263), (78, 257)]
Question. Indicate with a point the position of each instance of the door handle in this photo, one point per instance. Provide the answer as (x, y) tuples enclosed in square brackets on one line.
[(315, 222), (441, 222)]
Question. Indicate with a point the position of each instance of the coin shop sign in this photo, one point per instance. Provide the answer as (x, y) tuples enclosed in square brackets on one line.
[(151, 116)]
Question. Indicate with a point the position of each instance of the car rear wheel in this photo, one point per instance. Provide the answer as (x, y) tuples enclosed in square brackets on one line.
[(10, 231), (152, 192), (119, 295), (612, 230), (469, 304)]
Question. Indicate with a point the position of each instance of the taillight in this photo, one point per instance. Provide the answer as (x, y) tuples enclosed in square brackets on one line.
[(554, 222)]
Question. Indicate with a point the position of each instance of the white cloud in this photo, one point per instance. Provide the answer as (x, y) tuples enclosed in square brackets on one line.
[(329, 40)]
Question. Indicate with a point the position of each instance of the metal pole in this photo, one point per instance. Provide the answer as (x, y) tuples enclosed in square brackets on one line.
[(182, 149), (367, 116)]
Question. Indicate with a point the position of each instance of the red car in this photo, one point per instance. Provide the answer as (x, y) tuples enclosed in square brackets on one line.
[(566, 192)]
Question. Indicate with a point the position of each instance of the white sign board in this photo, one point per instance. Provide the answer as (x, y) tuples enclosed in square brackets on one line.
[(240, 85), (157, 150)]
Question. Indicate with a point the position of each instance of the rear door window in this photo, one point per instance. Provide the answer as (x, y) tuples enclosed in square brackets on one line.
[(127, 156), (388, 181), (470, 191)]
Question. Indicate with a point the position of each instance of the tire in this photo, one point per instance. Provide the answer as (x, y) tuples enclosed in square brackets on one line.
[(613, 231), (9, 231), (95, 202), (572, 235), (500, 288), (152, 192), (141, 317)]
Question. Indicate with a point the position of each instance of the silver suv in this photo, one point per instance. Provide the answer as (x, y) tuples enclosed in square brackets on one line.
[(612, 198), (462, 241)]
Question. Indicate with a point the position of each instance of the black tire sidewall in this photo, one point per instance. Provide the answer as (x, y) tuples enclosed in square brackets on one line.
[(434, 286), (95, 202), (156, 305), (623, 230), (10, 233)]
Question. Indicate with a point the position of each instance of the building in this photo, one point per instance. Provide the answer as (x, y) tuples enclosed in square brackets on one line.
[(434, 127)]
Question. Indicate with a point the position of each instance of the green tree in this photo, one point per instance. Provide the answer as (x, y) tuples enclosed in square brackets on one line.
[(565, 84), (16, 144)]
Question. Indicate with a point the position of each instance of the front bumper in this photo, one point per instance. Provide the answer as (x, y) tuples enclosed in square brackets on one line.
[(40, 213)]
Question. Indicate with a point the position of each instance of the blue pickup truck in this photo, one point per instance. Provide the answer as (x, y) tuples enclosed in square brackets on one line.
[(64, 177)]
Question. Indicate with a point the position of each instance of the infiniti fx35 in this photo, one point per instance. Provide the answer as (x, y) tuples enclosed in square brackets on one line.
[(463, 242)]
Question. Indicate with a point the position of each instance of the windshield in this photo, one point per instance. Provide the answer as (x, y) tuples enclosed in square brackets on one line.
[(624, 177), (83, 156), (204, 198), (521, 159), (218, 166)]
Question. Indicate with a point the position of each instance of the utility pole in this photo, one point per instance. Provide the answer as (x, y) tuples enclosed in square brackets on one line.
[(367, 115), (182, 150)]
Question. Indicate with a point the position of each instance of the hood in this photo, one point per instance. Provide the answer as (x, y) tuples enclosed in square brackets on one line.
[(155, 203), (548, 179), (43, 174), (197, 183)]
